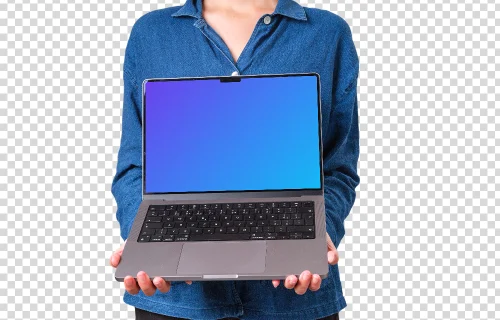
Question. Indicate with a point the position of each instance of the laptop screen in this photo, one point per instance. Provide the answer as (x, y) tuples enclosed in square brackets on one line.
[(256, 134)]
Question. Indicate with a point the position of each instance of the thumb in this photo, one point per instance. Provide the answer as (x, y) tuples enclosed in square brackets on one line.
[(332, 255), (116, 256)]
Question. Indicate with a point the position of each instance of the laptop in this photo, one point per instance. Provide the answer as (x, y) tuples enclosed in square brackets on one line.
[(232, 180)]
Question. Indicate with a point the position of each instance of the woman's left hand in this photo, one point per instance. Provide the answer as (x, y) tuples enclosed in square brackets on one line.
[(307, 280)]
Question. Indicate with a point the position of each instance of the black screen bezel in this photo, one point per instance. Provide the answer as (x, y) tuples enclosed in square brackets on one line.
[(228, 78)]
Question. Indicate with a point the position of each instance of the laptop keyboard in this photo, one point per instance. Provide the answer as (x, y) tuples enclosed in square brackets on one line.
[(229, 221)]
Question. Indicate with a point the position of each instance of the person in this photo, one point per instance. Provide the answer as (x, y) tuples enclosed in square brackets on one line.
[(231, 37)]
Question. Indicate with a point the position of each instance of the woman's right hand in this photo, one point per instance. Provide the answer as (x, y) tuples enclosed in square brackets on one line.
[(143, 282)]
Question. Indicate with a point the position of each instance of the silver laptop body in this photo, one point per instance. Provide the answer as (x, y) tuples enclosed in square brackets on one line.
[(258, 257)]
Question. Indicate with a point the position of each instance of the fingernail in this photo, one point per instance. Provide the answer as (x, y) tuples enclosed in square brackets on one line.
[(275, 285)]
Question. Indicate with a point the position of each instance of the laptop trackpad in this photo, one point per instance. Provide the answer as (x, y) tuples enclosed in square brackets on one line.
[(222, 258)]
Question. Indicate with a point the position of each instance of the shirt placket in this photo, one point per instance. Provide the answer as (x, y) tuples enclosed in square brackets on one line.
[(217, 41)]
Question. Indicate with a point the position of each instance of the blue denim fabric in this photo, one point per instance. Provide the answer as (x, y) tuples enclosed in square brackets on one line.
[(177, 42)]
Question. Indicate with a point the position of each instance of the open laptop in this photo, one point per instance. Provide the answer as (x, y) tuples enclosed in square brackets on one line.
[(232, 180)]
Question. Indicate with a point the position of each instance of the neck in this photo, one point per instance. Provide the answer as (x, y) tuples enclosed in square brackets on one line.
[(241, 5)]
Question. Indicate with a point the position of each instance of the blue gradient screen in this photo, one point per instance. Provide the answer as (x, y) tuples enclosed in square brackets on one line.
[(209, 136)]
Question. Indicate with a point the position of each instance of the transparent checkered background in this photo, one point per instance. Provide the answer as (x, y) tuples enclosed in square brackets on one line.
[(422, 238)]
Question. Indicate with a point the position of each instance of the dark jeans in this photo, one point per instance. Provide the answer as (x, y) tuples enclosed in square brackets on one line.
[(146, 315)]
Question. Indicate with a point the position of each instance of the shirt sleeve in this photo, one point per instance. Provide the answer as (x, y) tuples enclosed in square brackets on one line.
[(127, 182), (341, 145)]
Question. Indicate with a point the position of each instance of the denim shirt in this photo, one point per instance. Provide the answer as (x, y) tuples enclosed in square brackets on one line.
[(178, 42)]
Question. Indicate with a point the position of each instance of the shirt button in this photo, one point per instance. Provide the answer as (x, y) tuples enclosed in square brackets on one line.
[(235, 73), (267, 19)]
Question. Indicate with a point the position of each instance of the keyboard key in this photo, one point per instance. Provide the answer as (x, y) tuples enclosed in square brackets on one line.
[(152, 214), (271, 235), (285, 204), (299, 229), (278, 210), (180, 224), (282, 235), (232, 230), (147, 232), (249, 217), (290, 210), (308, 235), (168, 238), (228, 224), (262, 223), (220, 230), (308, 204), (183, 237), (280, 229), (308, 215), (294, 216), (295, 204), (215, 224), (184, 231), (268, 229), (239, 224), (256, 230), (287, 223), (171, 207), (296, 235), (208, 231), (203, 224), (153, 225), (250, 205), (237, 217), (244, 230), (196, 231), (309, 222), (161, 231), (168, 224), (192, 224), (156, 238), (298, 222), (173, 231), (251, 223), (275, 223), (144, 238), (257, 236), (305, 210)]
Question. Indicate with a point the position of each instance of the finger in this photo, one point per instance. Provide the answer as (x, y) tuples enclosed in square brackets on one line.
[(189, 282), (116, 256), (315, 282), (131, 285), (276, 283), (329, 242), (333, 257), (145, 283), (290, 282), (303, 283), (161, 284)]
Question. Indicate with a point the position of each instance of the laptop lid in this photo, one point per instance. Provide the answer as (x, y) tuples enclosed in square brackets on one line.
[(257, 134)]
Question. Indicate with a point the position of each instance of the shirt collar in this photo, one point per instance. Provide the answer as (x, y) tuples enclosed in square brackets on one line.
[(288, 8)]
